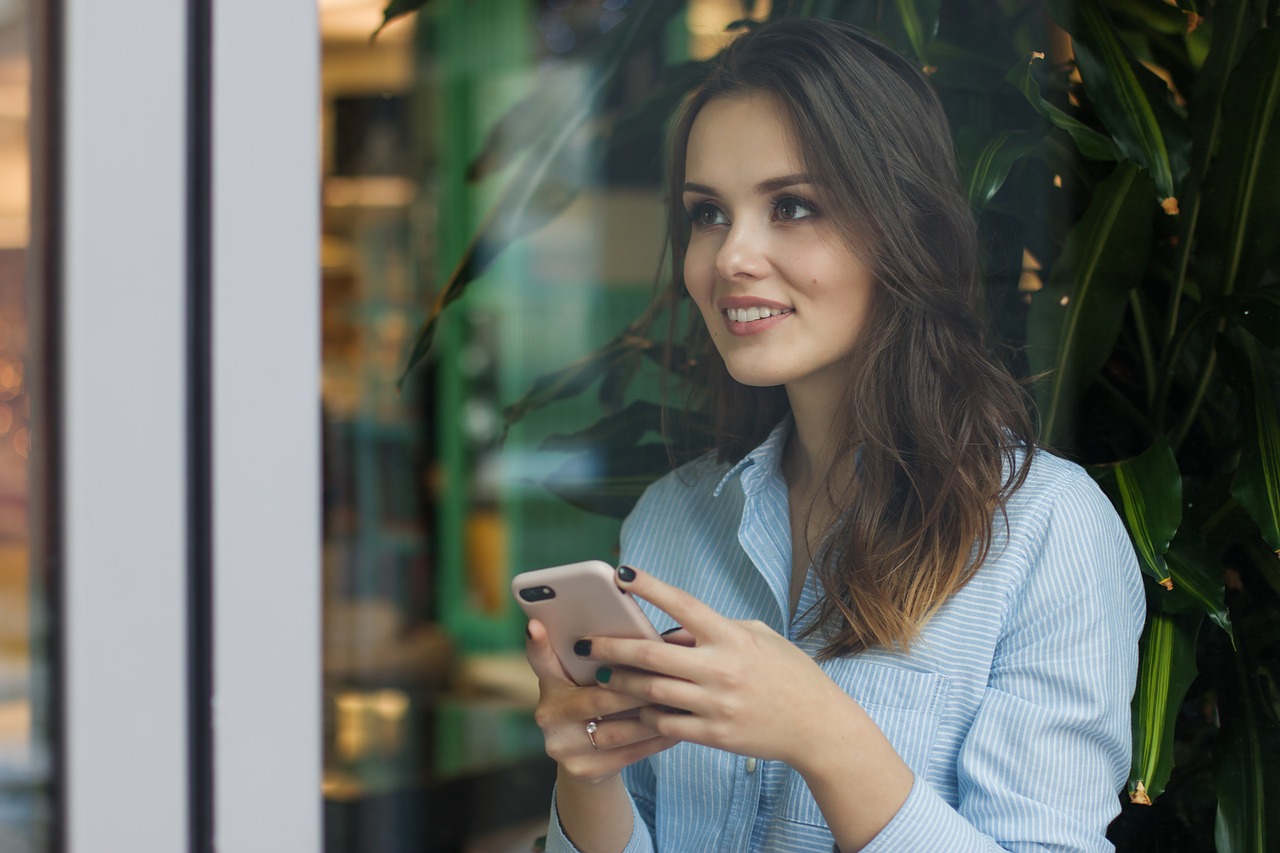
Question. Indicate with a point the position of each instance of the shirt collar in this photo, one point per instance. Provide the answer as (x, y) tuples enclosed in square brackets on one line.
[(756, 466)]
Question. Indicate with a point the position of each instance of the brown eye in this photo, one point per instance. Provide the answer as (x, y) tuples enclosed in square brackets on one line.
[(790, 209), (706, 215)]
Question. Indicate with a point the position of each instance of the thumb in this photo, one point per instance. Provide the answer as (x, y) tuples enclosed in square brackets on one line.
[(542, 658)]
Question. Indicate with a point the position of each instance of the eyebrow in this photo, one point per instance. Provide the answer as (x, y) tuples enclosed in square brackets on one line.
[(768, 186)]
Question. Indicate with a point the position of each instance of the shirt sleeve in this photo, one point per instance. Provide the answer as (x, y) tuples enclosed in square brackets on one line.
[(640, 842), (1050, 745)]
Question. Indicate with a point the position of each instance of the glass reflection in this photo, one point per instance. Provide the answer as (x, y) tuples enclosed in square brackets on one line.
[(434, 494), (24, 806)]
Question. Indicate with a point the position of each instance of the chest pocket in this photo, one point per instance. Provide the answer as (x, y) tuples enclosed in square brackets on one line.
[(904, 704)]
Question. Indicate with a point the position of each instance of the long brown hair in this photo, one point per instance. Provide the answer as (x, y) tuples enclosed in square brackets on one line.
[(938, 428)]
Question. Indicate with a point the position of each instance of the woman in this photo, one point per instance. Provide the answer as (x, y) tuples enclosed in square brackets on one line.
[(901, 627)]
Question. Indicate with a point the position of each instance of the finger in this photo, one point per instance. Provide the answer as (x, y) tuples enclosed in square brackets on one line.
[(600, 764), (615, 734), (679, 636), (699, 619), (667, 659), (653, 689), (542, 658), (674, 725)]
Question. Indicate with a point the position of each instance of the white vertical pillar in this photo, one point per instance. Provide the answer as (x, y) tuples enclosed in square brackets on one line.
[(266, 419), (122, 437)]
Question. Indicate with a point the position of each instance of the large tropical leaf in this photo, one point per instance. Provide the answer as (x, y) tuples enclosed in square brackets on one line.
[(920, 23), (573, 379), (987, 162), (1091, 143), (1075, 319), (1149, 487), (1246, 774), (618, 431), (1132, 102), (1239, 233), (1197, 581), (1257, 482), (1167, 666)]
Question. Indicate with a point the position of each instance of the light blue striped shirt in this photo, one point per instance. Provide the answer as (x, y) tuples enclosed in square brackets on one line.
[(1011, 708)]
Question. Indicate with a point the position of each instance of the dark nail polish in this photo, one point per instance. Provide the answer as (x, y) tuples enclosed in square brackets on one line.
[(582, 648), (671, 630), (603, 674), (626, 574)]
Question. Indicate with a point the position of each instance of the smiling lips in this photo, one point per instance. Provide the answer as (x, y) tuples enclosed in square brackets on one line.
[(754, 319)]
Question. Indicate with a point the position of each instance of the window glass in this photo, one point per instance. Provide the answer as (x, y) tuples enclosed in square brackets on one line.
[(24, 792), (439, 490)]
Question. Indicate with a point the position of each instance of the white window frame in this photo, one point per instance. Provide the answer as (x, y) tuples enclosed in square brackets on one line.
[(119, 341)]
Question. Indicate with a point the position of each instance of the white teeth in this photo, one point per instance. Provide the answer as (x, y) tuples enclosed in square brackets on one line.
[(747, 315)]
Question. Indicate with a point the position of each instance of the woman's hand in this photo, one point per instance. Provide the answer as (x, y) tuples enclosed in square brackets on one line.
[(564, 710), (742, 687)]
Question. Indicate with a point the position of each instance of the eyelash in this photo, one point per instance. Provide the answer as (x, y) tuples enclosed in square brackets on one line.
[(694, 214)]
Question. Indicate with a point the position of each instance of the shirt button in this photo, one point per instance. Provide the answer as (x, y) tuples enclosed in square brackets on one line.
[(751, 765)]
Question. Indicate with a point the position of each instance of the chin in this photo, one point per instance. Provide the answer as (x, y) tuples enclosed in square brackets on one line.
[(757, 378)]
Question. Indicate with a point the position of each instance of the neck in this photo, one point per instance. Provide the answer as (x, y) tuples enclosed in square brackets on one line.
[(812, 452)]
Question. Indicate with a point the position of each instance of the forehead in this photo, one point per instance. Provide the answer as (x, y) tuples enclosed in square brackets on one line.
[(744, 138)]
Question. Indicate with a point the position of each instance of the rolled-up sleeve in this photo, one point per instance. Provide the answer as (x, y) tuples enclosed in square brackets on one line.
[(1049, 747)]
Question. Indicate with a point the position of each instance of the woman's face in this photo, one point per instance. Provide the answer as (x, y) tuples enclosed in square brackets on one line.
[(782, 295)]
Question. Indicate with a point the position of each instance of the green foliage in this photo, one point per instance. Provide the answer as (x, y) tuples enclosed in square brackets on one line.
[(1149, 203)]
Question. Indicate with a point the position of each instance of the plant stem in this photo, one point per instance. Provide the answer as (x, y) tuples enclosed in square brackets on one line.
[(1184, 259), (1171, 367), (1201, 389), (1144, 343), (1124, 404)]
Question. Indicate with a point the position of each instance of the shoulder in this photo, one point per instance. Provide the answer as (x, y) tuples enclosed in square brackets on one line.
[(1072, 543), (683, 494), (1059, 494)]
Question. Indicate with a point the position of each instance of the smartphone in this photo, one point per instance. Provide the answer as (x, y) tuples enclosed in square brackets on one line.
[(580, 600)]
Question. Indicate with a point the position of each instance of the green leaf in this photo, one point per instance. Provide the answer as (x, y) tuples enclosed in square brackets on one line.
[(609, 483), (989, 166), (1132, 102), (1091, 143), (1166, 668), (615, 432), (573, 379), (1149, 487), (1233, 26), (1238, 236), (920, 22), (1075, 319), (1257, 482), (1197, 581), (394, 10), (1246, 773), (553, 171)]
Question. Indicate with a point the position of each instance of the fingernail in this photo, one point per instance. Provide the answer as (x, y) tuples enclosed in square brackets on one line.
[(626, 574), (528, 635), (671, 630), (603, 674), (582, 648)]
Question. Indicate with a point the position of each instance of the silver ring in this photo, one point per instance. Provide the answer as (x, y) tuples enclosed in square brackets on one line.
[(591, 733)]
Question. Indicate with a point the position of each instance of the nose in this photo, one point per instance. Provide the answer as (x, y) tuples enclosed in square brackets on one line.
[(742, 254)]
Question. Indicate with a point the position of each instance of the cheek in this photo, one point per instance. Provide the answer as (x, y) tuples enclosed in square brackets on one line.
[(696, 280)]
